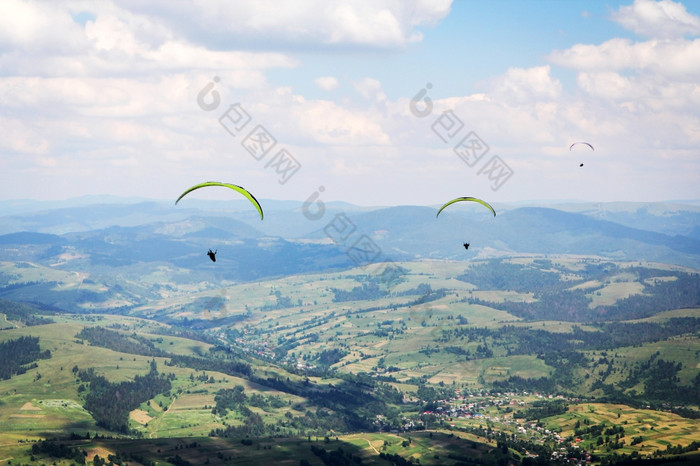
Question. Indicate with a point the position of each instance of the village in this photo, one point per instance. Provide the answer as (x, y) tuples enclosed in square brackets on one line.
[(470, 412)]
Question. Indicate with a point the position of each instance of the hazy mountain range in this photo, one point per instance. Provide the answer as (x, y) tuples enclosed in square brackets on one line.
[(121, 231), (121, 287)]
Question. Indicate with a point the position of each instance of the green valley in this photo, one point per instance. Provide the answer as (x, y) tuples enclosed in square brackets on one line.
[(421, 361)]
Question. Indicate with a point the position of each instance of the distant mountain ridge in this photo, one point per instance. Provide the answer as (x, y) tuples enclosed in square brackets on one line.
[(145, 232), (414, 231)]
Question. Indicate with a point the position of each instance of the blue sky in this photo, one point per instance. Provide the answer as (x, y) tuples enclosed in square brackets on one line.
[(101, 98), (476, 41)]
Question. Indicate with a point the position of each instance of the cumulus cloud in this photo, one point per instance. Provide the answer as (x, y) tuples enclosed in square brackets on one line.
[(638, 92), (658, 19), (521, 84), (310, 122), (328, 123), (370, 89), (656, 75), (678, 58), (38, 27), (327, 83), (252, 24), (116, 42), (99, 91), (20, 138)]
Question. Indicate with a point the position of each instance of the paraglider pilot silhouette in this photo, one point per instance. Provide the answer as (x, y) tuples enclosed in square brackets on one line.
[(467, 198), (243, 191)]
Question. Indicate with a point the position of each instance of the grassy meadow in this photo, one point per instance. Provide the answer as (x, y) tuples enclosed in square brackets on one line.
[(286, 326)]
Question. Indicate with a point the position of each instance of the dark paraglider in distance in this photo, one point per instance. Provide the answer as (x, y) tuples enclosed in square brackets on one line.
[(589, 145), (585, 144), (466, 245), (212, 255)]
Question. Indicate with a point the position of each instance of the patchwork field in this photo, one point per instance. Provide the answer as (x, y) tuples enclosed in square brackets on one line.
[(434, 336)]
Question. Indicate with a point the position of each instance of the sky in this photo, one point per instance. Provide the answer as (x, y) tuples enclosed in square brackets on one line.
[(376, 102)]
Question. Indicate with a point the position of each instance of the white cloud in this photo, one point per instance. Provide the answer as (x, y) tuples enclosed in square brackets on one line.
[(370, 89), (109, 33), (676, 59), (113, 97), (42, 38), (641, 91), (44, 27), (327, 123), (522, 85), (658, 19), (102, 90), (327, 83), (18, 137), (254, 24), (293, 119), (658, 75)]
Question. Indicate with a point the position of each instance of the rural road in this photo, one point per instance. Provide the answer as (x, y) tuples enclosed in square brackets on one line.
[(371, 446)]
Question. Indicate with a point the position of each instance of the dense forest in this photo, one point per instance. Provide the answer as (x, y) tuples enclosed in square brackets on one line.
[(27, 314), (110, 403), (518, 340), (17, 356), (352, 405), (556, 299)]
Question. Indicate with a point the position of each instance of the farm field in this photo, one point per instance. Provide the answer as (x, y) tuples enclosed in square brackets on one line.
[(433, 356)]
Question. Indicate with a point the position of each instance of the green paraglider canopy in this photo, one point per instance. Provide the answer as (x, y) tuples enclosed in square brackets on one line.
[(467, 198), (237, 188)]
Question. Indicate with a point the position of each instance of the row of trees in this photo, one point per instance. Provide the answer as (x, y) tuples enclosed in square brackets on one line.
[(226, 366), (119, 342), (58, 450)]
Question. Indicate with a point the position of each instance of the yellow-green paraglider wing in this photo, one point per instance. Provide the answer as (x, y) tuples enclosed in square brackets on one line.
[(237, 188), (467, 198)]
